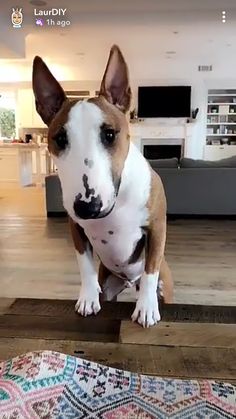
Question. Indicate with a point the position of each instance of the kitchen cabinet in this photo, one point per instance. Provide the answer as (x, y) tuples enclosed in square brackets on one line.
[(26, 111), (16, 163), (9, 165)]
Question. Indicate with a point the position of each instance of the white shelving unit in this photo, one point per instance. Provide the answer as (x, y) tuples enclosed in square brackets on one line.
[(221, 123)]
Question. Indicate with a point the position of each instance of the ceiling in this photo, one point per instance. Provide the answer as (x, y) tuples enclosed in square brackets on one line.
[(191, 29)]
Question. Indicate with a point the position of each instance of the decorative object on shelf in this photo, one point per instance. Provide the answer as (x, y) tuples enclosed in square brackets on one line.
[(133, 115), (222, 118), (214, 109), (210, 131), (194, 113), (224, 109), (215, 141)]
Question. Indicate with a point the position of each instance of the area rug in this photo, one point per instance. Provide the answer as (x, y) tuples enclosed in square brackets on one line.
[(49, 385)]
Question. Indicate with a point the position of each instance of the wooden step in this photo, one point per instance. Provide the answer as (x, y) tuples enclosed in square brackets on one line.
[(190, 341)]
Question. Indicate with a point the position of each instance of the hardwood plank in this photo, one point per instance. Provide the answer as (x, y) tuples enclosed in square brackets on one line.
[(207, 335), (5, 304), (73, 327), (201, 254), (198, 313), (123, 310), (187, 362)]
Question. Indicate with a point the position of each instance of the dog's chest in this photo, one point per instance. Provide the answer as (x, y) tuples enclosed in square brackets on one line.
[(115, 237)]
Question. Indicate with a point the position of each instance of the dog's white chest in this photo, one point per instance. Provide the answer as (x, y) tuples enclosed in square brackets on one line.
[(114, 237)]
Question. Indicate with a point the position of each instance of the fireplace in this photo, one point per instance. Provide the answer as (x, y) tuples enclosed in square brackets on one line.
[(162, 148)]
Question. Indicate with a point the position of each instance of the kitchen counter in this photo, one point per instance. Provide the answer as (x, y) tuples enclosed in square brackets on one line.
[(22, 163), (30, 146)]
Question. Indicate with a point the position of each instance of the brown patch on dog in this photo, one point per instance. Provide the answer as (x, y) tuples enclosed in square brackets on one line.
[(56, 124), (166, 278), (79, 237), (116, 120), (156, 236), (137, 250)]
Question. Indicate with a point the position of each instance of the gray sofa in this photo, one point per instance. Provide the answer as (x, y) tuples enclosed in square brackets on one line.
[(192, 187)]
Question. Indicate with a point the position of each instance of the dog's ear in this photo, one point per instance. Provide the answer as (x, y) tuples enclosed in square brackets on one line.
[(48, 93), (115, 83)]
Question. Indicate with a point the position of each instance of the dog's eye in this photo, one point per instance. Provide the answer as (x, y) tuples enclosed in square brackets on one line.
[(108, 135), (61, 139)]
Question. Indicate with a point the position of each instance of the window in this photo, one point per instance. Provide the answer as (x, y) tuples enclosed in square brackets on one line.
[(7, 116)]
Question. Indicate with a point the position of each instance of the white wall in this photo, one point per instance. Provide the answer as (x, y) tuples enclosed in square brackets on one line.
[(144, 39)]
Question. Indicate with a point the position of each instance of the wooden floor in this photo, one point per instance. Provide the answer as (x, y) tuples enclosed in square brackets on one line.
[(190, 342), (37, 258)]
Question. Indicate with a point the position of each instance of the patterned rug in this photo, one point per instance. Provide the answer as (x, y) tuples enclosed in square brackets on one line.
[(52, 385)]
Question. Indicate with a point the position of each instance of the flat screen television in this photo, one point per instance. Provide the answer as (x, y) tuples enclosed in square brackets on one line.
[(164, 101)]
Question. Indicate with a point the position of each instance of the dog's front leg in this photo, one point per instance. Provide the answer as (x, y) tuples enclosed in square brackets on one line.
[(88, 301), (146, 311)]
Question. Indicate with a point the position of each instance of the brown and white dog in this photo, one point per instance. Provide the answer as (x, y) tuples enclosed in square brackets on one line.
[(115, 201)]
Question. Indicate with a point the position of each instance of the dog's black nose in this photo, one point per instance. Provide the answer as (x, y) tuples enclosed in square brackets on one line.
[(87, 210)]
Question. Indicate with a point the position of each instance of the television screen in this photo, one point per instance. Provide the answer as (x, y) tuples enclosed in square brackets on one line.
[(164, 101)]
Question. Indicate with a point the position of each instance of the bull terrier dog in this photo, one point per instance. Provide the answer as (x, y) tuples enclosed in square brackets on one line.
[(115, 201)]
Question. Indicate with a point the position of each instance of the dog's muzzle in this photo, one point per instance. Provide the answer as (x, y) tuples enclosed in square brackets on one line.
[(92, 209)]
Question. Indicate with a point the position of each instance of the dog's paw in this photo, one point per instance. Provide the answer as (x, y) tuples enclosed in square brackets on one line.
[(88, 301), (146, 311)]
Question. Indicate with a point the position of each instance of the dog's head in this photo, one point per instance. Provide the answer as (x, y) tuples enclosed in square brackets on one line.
[(89, 139)]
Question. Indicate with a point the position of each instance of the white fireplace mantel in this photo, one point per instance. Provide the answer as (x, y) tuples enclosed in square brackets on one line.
[(143, 133)]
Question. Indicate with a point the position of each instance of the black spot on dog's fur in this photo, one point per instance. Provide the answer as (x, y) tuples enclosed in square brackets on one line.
[(104, 241), (110, 232), (138, 250), (88, 163), (117, 265), (88, 191)]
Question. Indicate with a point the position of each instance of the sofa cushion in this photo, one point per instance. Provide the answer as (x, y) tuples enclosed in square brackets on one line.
[(187, 163), (169, 163)]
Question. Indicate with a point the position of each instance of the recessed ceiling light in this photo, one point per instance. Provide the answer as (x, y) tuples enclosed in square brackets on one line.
[(170, 52), (38, 2)]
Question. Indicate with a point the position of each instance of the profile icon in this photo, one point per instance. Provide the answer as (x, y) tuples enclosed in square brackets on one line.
[(16, 17)]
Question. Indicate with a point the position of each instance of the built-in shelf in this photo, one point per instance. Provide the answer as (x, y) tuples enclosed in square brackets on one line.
[(221, 94), (221, 121), (217, 113), (221, 135), (221, 103)]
